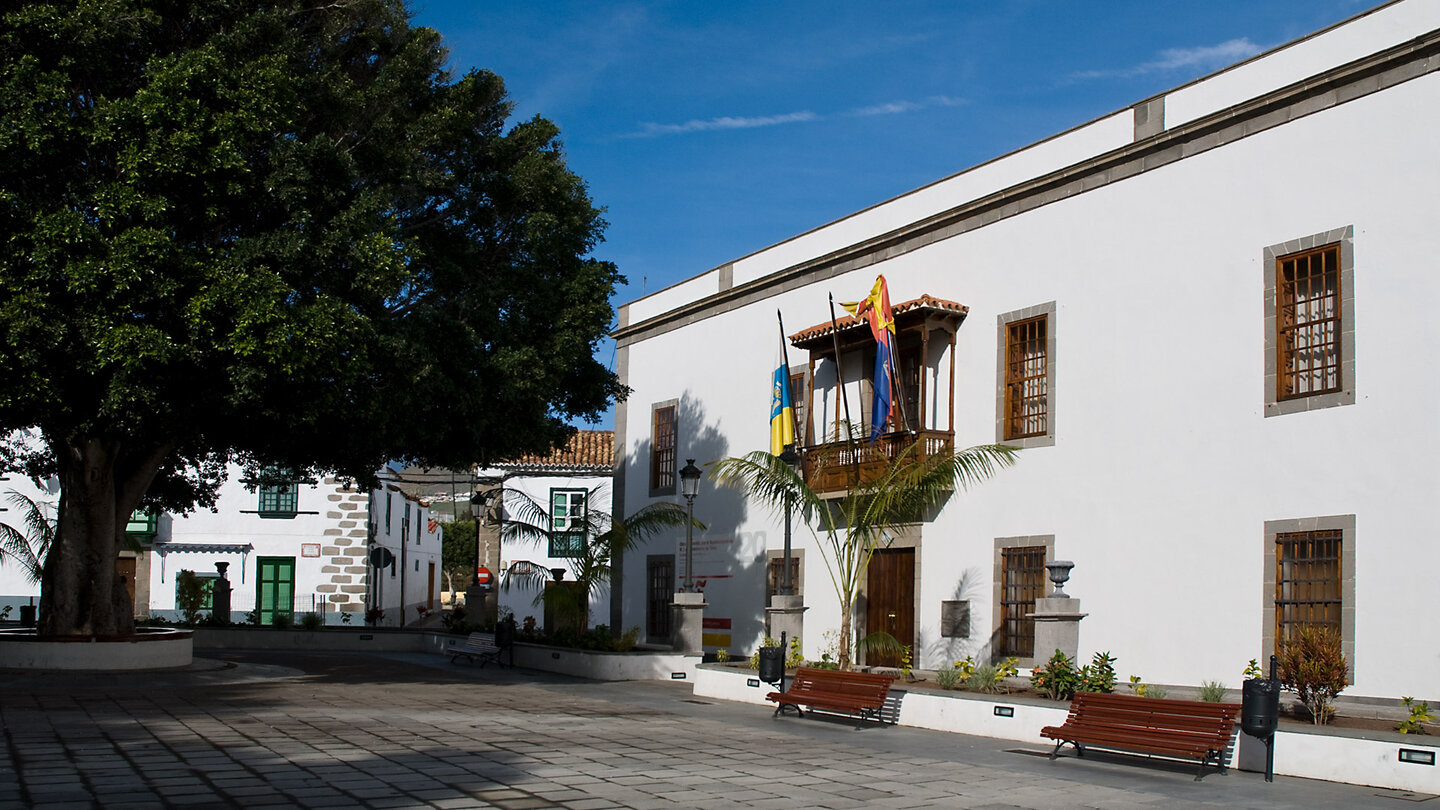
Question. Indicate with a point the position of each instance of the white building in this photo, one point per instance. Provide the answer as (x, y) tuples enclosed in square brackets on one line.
[(1205, 319), (305, 546), (569, 485)]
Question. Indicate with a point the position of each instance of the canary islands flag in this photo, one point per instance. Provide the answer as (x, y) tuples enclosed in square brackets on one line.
[(782, 413)]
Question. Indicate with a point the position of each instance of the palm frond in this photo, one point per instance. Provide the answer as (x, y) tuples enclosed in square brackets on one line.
[(29, 547)]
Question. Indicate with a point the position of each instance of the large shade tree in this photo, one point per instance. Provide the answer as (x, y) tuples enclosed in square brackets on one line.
[(277, 232)]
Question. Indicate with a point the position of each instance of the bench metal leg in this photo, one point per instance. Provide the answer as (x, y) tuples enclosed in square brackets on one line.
[(781, 707), (1079, 749)]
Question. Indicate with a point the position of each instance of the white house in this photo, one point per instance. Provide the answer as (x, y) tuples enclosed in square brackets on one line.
[(1204, 318), (568, 485), (299, 547)]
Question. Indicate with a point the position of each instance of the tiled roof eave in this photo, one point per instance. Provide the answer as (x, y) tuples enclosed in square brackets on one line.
[(924, 303)]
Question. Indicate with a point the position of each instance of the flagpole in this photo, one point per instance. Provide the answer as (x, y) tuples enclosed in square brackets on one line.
[(787, 586), (840, 379), (898, 383), (794, 412), (839, 368)]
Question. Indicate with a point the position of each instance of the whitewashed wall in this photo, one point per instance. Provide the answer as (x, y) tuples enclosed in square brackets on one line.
[(521, 601), (1164, 469)]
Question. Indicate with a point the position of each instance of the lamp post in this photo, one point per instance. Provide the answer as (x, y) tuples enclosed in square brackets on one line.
[(787, 587), (481, 503), (689, 487)]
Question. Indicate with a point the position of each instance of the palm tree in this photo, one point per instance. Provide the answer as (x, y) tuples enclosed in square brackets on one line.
[(602, 539), (27, 547), (849, 529)]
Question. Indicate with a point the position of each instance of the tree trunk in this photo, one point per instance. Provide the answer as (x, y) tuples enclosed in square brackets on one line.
[(842, 655), (81, 592)]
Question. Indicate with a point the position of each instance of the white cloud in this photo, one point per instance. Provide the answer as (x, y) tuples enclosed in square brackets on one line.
[(1204, 58), (904, 106), (651, 129), (890, 108)]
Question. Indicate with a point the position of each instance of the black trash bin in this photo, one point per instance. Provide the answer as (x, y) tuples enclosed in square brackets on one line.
[(1260, 707), (27, 615), (772, 664)]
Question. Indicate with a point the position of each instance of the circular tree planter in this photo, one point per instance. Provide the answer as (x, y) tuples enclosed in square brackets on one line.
[(149, 648)]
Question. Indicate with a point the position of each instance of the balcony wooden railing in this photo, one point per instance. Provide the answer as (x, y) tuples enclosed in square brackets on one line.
[(831, 467)]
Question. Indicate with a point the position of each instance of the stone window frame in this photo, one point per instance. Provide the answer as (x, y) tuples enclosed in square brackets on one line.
[(1346, 525), (1002, 324), (1274, 406), (774, 554), (658, 492), (997, 579)]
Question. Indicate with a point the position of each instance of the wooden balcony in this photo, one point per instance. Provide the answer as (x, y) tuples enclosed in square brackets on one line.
[(830, 468)]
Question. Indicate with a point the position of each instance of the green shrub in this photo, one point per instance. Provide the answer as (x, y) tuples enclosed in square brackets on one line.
[(947, 678), (1419, 714), (282, 621), (628, 639), (1142, 689), (1098, 675), (1057, 678), (189, 595), (312, 621), (985, 678), (1212, 691), (1312, 665)]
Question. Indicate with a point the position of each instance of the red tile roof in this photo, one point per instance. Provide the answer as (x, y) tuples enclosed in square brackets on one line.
[(587, 450), (922, 303)]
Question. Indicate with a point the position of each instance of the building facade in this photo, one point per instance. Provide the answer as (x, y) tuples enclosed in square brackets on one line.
[(566, 491), (1203, 318), (304, 546)]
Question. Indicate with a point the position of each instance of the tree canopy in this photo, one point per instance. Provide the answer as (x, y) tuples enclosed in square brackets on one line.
[(278, 232)]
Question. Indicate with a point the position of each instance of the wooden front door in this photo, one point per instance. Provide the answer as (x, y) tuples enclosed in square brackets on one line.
[(890, 601), (430, 591)]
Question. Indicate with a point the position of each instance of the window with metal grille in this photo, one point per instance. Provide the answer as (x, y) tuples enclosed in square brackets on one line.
[(567, 522), (1307, 581), (1026, 382), (659, 593), (662, 449), (776, 577), (1307, 322), (278, 498), (1022, 572)]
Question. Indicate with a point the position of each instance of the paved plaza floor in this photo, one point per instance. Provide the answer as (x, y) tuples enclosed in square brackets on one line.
[(283, 729)]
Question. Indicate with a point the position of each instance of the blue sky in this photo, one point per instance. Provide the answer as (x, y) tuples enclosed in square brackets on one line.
[(709, 130)]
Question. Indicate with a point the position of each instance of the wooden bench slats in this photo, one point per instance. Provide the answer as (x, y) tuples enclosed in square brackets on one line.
[(861, 693), (1176, 728)]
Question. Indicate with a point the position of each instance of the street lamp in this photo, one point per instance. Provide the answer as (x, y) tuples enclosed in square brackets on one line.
[(480, 506), (689, 486), (787, 588)]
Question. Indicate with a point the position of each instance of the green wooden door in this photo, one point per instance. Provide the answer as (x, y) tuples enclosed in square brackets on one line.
[(275, 588)]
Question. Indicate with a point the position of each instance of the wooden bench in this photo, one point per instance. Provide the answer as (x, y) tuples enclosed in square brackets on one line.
[(1183, 729), (479, 647), (858, 693)]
